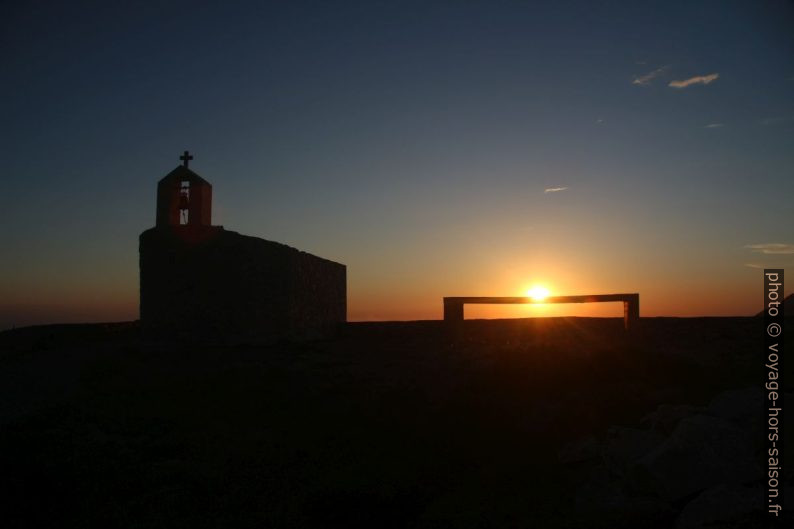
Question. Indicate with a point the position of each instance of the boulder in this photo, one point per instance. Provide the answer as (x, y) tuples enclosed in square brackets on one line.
[(743, 406), (584, 449), (624, 446), (667, 416), (602, 500), (703, 451), (721, 505), (601, 492)]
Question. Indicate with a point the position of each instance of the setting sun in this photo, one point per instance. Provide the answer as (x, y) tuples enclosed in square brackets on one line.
[(538, 293)]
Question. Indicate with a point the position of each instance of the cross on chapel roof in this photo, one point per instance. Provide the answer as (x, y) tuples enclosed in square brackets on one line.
[(186, 157)]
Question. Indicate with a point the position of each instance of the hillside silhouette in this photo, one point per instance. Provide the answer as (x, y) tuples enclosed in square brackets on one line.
[(787, 306), (553, 422)]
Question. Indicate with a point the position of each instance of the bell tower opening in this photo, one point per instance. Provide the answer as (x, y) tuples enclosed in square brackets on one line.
[(184, 198), (184, 203)]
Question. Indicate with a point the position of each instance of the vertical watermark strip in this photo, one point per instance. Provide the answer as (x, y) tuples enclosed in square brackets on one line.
[(773, 371)]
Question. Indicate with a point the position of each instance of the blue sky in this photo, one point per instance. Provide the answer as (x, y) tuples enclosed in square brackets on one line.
[(413, 141)]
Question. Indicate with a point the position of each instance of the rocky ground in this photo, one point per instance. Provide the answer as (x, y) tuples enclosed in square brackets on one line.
[(559, 422)]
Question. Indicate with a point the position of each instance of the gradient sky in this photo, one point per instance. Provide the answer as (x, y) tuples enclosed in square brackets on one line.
[(435, 148)]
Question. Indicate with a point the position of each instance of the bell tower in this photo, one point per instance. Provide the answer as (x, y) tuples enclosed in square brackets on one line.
[(184, 198)]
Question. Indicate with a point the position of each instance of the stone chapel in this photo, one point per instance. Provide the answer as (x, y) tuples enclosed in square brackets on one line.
[(202, 283)]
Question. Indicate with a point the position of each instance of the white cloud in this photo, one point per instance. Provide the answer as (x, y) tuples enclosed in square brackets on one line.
[(648, 77), (772, 248), (555, 189), (713, 126), (698, 79), (753, 265)]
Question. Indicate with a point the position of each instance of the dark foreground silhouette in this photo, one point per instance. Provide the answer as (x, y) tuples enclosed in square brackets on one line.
[(560, 422)]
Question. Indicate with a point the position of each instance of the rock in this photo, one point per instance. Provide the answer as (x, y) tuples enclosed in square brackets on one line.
[(667, 416), (601, 492), (669, 394), (719, 505), (743, 406), (581, 450), (703, 451), (603, 498), (624, 446)]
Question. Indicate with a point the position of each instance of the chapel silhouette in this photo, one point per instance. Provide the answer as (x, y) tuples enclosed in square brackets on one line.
[(202, 283)]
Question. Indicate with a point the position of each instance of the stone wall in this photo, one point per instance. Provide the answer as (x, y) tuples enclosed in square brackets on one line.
[(206, 284)]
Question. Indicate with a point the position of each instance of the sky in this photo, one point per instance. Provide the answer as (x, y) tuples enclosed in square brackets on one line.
[(450, 148)]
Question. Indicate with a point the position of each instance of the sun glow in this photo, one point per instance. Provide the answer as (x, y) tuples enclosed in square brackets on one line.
[(538, 293)]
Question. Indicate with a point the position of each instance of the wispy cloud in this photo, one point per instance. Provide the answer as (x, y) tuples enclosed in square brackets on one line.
[(775, 120), (713, 126), (648, 77), (698, 79), (772, 248), (752, 265), (555, 189)]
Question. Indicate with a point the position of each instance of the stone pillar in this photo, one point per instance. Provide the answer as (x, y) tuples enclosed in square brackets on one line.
[(631, 312), (453, 310)]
